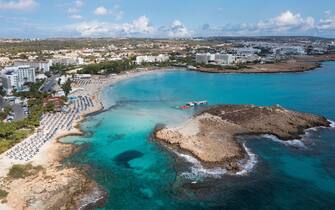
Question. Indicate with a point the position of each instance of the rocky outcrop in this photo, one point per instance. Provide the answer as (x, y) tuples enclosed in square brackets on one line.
[(211, 134), (54, 188)]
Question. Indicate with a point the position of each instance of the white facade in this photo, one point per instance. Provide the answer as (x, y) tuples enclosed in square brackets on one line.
[(68, 61), (290, 50), (43, 66), (16, 77), (224, 58), (202, 58), (205, 58), (151, 59), (9, 81), (247, 51)]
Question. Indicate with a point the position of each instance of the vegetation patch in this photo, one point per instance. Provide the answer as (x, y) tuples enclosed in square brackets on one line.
[(22, 171), (12, 133), (3, 194)]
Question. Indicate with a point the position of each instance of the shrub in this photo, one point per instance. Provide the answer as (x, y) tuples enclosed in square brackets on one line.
[(22, 171), (3, 194)]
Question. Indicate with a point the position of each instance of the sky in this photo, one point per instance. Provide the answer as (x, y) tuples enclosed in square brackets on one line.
[(166, 19)]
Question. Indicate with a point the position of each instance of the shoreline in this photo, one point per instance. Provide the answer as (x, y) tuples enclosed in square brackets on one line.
[(51, 154), (200, 169), (212, 136), (293, 65)]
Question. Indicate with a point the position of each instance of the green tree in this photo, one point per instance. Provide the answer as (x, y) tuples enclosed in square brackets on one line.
[(2, 91), (67, 87), (23, 56), (50, 107)]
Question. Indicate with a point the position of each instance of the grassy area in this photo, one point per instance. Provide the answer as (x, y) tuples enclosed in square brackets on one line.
[(108, 67), (22, 171), (3, 194), (237, 67)]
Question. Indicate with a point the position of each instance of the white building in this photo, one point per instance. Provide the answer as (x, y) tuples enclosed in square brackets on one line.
[(290, 50), (227, 59), (15, 77), (43, 66), (203, 58), (151, 59), (68, 61), (245, 51), (218, 58)]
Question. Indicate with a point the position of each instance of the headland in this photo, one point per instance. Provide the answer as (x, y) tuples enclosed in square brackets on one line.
[(211, 135)]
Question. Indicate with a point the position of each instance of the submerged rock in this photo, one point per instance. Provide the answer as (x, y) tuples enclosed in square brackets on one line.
[(211, 134), (124, 157)]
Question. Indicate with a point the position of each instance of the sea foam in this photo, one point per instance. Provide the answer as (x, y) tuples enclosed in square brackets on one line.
[(250, 163), (198, 170), (294, 142)]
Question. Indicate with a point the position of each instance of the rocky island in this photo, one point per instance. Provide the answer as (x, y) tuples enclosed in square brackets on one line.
[(211, 134)]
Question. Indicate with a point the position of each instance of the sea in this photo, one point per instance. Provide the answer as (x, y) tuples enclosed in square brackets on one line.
[(117, 150)]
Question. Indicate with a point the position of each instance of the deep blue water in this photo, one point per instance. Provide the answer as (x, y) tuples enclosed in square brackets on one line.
[(139, 174)]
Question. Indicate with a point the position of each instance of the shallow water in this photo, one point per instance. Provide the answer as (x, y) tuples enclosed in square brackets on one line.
[(139, 174)]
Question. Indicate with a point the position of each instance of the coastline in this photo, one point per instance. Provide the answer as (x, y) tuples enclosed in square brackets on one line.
[(54, 151), (293, 65), (212, 135)]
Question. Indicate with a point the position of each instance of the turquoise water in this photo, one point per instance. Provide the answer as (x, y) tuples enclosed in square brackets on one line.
[(139, 174)]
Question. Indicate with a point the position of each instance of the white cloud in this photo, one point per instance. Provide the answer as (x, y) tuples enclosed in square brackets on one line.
[(178, 30), (284, 22), (138, 27), (142, 25), (309, 23), (77, 17), (77, 5), (288, 19), (18, 5), (101, 11), (327, 23), (116, 12)]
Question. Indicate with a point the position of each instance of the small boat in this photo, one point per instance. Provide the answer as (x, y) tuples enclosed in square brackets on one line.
[(184, 107), (193, 104), (198, 103)]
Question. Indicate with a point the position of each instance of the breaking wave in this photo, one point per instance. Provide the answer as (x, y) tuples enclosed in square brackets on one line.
[(250, 163), (294, 142), (197, 170), (332, 123)]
